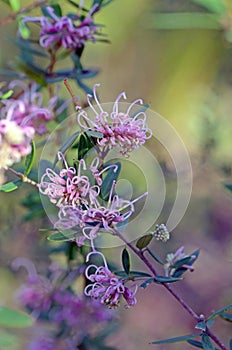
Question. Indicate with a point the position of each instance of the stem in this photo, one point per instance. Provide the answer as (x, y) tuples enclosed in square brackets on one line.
[(23, 177), (181, 301), (26, 9)]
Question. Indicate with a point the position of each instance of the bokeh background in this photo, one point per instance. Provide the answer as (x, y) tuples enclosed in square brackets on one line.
[(177, 56)]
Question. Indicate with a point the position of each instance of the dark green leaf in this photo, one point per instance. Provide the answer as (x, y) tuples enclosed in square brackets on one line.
[(133, 274), (201, 325), (10, 186), (83, 86), (29, 160), (164, 279), (126, 261), (206, 342), (195, 343), (57, 10), (84, 145), (14, 318), (184, 20), (226, 316), (112, 175), (32, 73), (220, 311), (144, 241), (26, 46), (176, 340), (146, 283), (228, 186), (68, 143), (77, 5), (181, 262)]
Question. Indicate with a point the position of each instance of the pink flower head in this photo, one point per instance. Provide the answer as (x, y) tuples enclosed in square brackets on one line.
[(117, 128), (27, 109), (107, 287), (71, 33), (70, 187)]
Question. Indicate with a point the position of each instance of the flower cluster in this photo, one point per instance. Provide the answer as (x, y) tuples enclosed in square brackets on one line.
[(51, 299), (25, 108), (71, 32), (118, 129), (161, 233), (79, 200), (107, 287)]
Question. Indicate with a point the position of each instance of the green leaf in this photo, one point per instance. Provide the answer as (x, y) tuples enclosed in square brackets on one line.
[(220, 311), (206, 342), (176, 340), (84, 145), (146, 283), (15, 5), (164, 279), (23, 29), (228, 186), (144, 241), (32, 73), (215, 6), (201, 325), (24, 45), (10, 186), (68, 143), (126, 261), (133, 274), (57, 10), (77, 5), (184, 20), (7, 339), (195, 343), (95, 134), (226, 316), (59, 237), (14, 318), (30, 160), (112, 174)]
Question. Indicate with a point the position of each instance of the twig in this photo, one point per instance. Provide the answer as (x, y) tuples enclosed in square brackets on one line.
[(23, 177), (29, 8)]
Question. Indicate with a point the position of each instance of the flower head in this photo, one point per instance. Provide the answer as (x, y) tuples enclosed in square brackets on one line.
[(161, 233), (118, 129), (107, 287), (27, 109), (71, 32)]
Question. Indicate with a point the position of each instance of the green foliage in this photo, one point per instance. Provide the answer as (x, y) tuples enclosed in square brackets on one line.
[(133, 274), (126, 261), (15, 5), (215, 6), (14, 318), (226, 316), (188, 260), (60, 237), (144, 241), (206, 342), (219, 312), (7, 340), (30, 160), (10, 186), (176, 339), (112, 174)]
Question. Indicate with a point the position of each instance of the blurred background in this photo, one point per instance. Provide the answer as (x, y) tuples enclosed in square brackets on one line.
[(177, 56)]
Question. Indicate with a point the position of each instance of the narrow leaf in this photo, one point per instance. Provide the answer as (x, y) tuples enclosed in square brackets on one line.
[(14, 318), (10, 186), (146, 283), (126, 261), (59, 237), (156, 258), (226, 316), (144, 241), (164, 279), (29, 160), (220, 311), (68, 143), (228, 186), (133, 274), (195, 343), (176, 340), (206, 342), (215, 6), (112, 175)]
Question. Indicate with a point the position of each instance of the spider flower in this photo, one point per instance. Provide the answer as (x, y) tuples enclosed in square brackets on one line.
[(27, 108), (70, 32), (107, 287), (117, 128)]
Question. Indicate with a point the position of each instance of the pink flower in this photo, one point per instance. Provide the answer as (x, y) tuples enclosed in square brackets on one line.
[(27, 109), (71, 33), (117, 128), (107, 287)]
